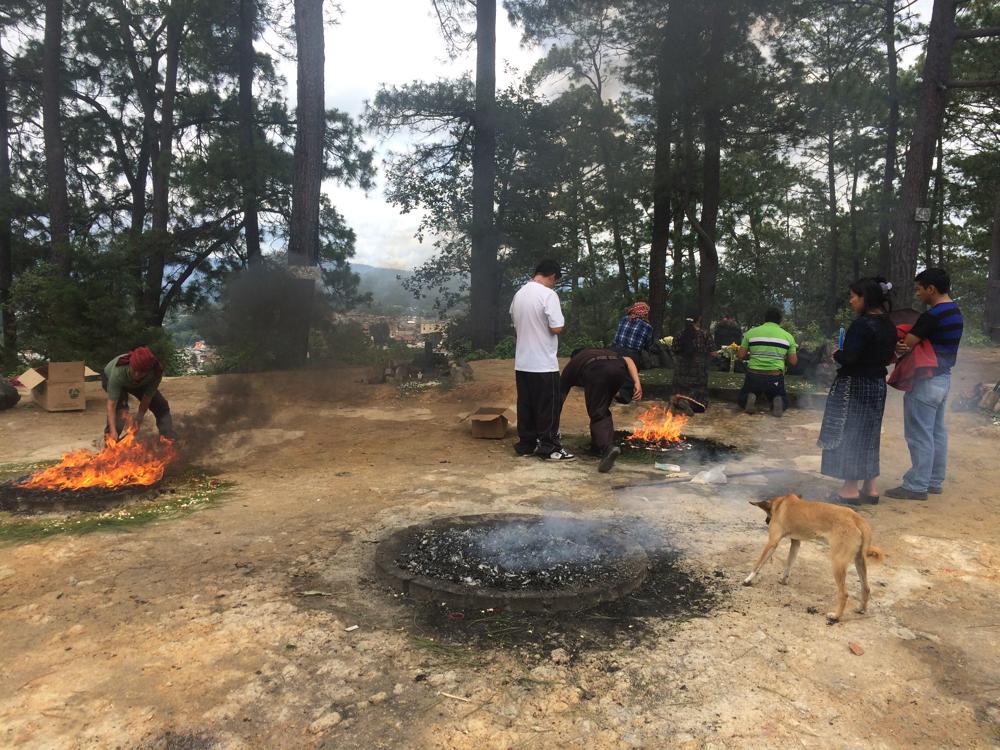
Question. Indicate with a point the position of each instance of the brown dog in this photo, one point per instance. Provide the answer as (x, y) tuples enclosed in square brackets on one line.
[(847, 533)]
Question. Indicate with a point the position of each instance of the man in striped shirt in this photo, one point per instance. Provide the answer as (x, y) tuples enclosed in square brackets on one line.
[(767, 347), (924, 406)]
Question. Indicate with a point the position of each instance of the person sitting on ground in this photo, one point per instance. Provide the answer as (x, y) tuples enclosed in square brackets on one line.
[(767, 347), (138, 374), (601, 373), (852, 419), (692, 348), (634, 334)]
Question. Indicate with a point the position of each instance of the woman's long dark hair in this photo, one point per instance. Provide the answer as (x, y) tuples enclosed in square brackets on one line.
[(875, 293), (685, 341)]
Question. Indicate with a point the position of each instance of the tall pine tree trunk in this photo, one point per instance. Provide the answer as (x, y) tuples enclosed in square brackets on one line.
[(310, 128), (833, 282), (484, 277), (937, 207), (6, 207), (661, 183), (891, 137), (677, 270), (248, 153), (712, 166), (926, 130), (158, 244), (991, 320), (55, 151), (855, 178), (613, 202), (303, 241)]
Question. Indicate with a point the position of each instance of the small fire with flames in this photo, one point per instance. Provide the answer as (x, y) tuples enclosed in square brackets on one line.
[(659, 425), (128, 462)]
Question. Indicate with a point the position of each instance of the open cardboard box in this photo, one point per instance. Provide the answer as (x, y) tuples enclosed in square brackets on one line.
[(490, 422), (58, 386)]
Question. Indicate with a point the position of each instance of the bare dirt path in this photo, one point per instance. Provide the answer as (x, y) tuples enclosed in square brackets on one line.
[(194, 633)]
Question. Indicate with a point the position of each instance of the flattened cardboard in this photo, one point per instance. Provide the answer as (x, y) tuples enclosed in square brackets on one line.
[(490, 422)]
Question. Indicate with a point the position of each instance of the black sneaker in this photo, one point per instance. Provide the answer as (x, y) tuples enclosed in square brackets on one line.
[(934, 490), (608, 459), (901, 493), (777, 406), (558, 455), (751, 407)]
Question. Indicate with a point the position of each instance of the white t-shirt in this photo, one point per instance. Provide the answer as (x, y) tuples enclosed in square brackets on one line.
[(535, 310)]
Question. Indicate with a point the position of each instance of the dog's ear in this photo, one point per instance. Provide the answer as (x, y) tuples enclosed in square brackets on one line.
[(764, 505)]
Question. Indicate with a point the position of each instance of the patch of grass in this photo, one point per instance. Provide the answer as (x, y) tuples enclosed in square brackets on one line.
[(15, 471), (193, 490), (732, 381)]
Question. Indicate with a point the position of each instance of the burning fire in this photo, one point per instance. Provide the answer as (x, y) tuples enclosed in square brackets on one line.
[(659, 425), (126, 462)]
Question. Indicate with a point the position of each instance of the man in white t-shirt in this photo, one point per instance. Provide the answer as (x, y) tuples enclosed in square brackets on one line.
[(538, 321)]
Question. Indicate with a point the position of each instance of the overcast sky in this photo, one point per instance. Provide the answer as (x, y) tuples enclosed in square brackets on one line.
[(394, 42)]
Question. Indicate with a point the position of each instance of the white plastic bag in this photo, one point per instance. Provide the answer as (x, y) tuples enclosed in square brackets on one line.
[(715, 475)]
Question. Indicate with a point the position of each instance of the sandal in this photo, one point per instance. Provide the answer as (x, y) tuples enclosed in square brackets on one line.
[(869, 499), (836, 497)]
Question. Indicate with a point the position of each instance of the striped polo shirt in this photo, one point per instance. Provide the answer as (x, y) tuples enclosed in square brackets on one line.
[(942, 325), (768, 345)]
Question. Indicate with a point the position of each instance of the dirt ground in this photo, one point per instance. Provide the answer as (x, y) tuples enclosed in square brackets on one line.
[(194, 633)]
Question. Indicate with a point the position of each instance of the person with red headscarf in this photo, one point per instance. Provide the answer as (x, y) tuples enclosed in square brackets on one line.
[(137, 373), (634, 334)]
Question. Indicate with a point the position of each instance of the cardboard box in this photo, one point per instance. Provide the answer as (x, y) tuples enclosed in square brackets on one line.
[(58, 386), (490, 422)]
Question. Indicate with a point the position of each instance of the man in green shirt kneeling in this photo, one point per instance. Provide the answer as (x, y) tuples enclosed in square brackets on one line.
[(767, 347), (138, 374)]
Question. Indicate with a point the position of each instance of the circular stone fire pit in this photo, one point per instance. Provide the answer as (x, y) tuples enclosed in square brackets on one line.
[(515, 562)]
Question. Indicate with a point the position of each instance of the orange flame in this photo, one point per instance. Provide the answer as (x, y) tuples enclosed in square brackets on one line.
[(126, 462), (659, 424)]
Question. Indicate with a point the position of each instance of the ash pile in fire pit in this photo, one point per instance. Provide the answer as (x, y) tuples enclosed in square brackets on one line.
[(514, 556), (523, 562), (670, 592)]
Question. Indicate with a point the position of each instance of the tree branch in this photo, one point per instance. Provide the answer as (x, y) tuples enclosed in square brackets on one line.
[(977, 33), (973, 84)]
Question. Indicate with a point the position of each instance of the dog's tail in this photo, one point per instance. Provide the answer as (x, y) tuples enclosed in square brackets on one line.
[(867, 548)]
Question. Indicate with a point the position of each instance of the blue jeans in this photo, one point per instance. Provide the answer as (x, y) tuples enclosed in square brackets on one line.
[(926, 436)]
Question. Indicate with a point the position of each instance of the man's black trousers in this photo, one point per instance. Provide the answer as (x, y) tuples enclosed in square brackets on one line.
[(538, 407)]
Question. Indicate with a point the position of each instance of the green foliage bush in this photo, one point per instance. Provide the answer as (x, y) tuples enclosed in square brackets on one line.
[(90, 316)]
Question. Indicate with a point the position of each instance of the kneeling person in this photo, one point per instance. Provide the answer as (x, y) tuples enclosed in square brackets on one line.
[(600, 372), (138, 374), (767, 347)]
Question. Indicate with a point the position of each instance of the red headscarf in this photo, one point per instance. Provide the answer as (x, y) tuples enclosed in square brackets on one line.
[(141, 360), (638, 310)]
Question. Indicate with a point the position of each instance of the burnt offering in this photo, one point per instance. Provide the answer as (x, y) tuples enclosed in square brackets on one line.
[(518, 562), (687, 450), (17, 498), (122, 471)]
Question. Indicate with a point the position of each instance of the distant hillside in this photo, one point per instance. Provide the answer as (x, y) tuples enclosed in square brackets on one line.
[(388, 294)]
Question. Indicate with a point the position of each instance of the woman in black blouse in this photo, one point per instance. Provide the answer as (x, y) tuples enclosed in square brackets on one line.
[(852, 422)]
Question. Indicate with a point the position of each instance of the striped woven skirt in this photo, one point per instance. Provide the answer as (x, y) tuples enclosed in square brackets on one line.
[(852, 428)]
